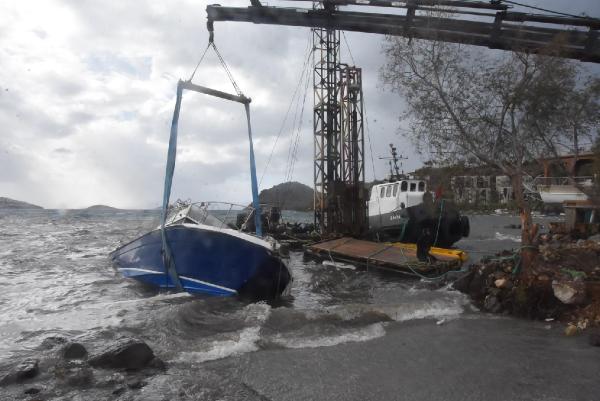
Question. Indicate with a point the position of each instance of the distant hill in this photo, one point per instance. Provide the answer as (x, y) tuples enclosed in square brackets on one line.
[(289, 196), (101, 208), (7, 203)]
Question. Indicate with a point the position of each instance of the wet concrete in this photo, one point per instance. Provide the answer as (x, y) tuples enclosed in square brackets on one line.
[(465, 359)]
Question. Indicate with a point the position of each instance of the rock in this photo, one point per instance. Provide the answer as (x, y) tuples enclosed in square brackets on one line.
[(112, 380), (126, 353), (462, 283), (157, 363), (32, 390), (491, 304), (571, 330), (73, 351), (136, 384), (594, 339), (570, 292), (543, 277), (74, 373), (501, 283), (119, 391), (27, 369), (53, 341)]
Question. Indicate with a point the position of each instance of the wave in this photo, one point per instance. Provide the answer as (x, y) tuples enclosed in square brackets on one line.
[(507, 237), (368, 333), (247, 341)]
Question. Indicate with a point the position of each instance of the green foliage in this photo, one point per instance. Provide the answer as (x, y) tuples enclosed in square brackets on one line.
[(289, 196), (574, 273)]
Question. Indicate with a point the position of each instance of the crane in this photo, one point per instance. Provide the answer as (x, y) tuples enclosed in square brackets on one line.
[(338, 109)]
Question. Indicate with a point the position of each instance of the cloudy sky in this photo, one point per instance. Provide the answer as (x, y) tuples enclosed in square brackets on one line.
[(87, 90)]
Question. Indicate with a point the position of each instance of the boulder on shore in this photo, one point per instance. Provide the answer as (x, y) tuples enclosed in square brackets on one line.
[(126, 353), (569, 292), (28, 369), (73, 351)]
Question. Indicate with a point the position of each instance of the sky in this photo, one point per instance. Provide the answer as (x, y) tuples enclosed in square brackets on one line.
[(87, 90)]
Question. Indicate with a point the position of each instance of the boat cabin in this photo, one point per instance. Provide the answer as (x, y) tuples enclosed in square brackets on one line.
[(396, 195)]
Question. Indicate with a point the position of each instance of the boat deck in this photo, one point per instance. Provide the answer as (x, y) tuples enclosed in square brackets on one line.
[(389, 256)]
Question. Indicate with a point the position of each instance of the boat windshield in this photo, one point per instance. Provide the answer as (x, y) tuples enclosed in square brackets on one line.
[(195, 214), (202, 215)]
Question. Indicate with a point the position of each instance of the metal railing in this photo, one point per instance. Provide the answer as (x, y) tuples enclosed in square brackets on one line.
[(215, 213), (585, 181)]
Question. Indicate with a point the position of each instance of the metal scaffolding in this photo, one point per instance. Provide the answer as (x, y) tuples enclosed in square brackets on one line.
[(354, 219), (326, 124)]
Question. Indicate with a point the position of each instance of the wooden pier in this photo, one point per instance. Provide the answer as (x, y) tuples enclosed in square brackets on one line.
[(397, 257)]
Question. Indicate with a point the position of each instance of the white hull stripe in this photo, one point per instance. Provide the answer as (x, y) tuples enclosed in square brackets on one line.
[(208, 284), (183, 277), (141, 270)]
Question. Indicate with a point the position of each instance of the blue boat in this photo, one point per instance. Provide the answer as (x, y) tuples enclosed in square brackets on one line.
[(194, 251), (210, 258)]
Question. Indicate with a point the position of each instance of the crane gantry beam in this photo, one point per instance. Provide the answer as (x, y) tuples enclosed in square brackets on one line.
[(507, 30)]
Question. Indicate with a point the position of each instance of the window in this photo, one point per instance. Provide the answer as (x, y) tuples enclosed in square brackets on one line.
[(403, 186), (421, 186), (382, 194), (395, 190), (413, 186), (388, 192)]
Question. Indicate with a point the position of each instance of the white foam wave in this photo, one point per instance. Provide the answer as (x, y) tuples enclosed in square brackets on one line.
[(246, 342), (505, 237), (257, 312), (338, 265), (367, 333), (432, 311), (403, 312)]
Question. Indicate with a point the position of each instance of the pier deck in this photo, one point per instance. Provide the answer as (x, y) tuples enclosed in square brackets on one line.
[(385, 255)]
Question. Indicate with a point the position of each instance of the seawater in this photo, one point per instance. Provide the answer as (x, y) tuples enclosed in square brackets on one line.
[(57, 281)]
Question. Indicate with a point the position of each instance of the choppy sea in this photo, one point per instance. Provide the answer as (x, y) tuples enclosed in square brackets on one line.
[(57, 280)]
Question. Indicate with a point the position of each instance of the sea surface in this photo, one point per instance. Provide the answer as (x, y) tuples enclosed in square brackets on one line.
[(342, 331)]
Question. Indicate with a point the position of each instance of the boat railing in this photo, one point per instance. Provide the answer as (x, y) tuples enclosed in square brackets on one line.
[(215, 213), (544, 182)]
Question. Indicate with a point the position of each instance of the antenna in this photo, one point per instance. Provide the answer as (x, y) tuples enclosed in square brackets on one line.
[(395, 163)]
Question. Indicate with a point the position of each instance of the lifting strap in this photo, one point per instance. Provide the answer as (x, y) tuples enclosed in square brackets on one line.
[(168, 259)]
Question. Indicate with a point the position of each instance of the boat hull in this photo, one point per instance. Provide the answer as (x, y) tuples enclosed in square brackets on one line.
[(558, 194), (444, 224), (207, 261)]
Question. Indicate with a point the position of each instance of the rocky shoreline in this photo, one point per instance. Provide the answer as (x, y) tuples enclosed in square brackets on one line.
[(563, 284), (60, 366)]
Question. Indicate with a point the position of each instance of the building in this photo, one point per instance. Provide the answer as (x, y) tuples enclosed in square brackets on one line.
[(480, 190)]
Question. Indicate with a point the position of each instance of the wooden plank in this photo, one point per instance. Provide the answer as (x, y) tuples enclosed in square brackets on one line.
[(393, 256)]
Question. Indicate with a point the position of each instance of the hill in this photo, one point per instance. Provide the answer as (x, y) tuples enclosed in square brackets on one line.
[(289, 196), (7, 203), (101, 208)]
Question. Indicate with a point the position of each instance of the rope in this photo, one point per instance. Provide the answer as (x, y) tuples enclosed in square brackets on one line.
[(365, 113), (226, 68), (439, 222), (297, 141), (168, 260), (304, 70), (547, 10), (200, 61), (255, 199)]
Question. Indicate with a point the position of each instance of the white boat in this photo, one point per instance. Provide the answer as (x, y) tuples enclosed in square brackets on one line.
[(557, 190), (402, 210)]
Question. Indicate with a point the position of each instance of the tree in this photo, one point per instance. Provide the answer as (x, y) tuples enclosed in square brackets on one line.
[(504, 110)]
